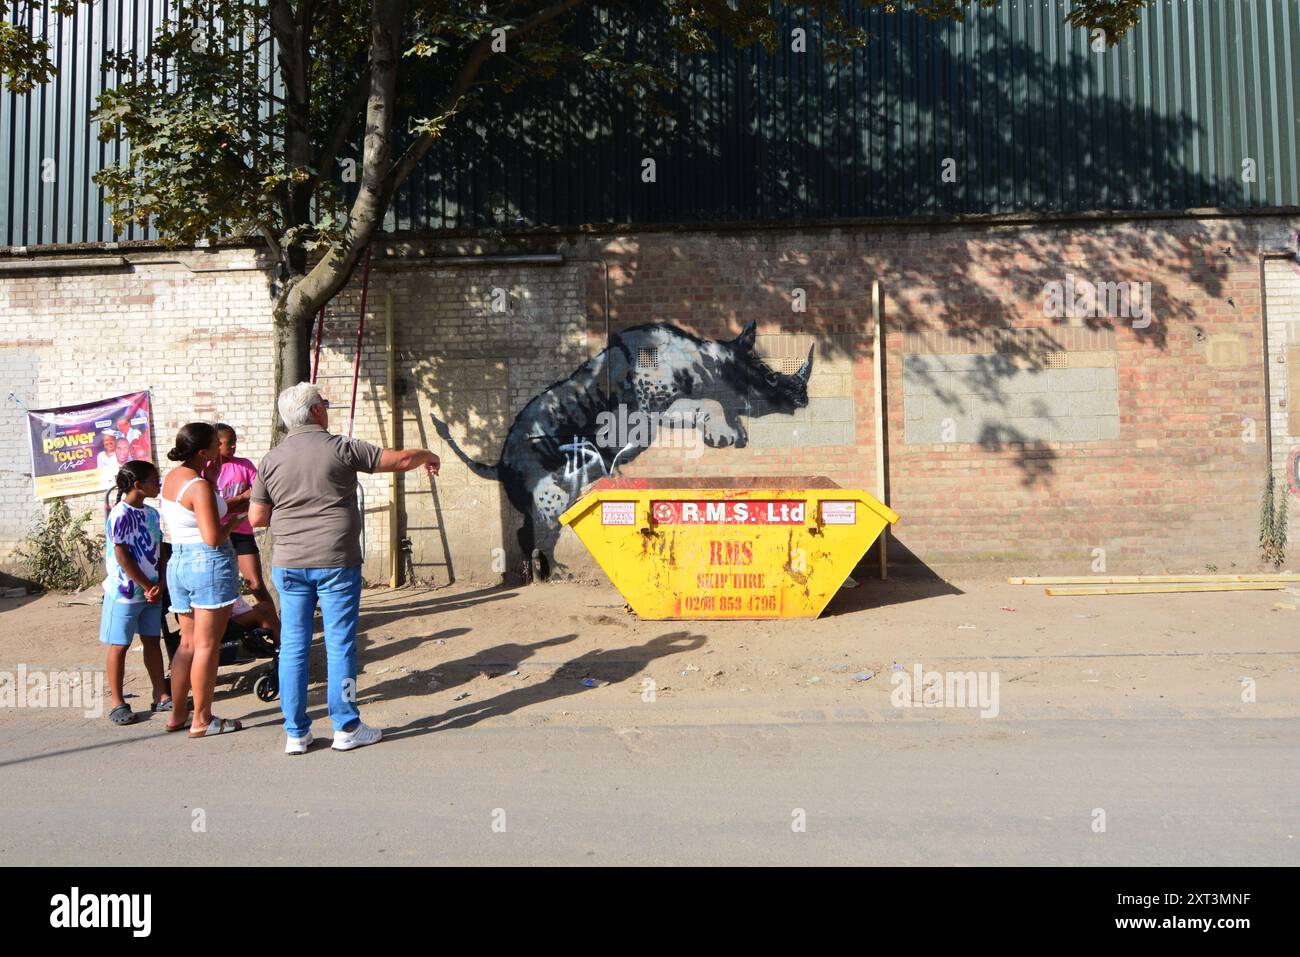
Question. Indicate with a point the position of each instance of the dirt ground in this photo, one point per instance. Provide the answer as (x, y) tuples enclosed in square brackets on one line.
[(467, 654), (1129, 705)]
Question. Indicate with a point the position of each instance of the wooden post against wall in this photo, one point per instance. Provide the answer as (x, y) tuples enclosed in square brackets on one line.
[(390, 347), (878, 379)]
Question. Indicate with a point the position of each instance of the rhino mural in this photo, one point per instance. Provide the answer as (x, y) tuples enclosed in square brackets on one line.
[(563, 439)]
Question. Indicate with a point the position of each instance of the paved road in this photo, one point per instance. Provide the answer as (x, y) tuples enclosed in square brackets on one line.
[(917, 791)]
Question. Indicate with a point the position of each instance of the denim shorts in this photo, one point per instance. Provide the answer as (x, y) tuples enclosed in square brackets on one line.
[(200, 576), (121, 621)]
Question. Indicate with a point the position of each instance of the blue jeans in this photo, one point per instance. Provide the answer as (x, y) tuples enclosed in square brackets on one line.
[(339, 592)]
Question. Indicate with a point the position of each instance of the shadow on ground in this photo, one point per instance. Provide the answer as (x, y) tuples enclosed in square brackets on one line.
[(613, 665), (379, 613), (910, 579)]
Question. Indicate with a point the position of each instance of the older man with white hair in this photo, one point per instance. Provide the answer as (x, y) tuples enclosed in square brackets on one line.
[(306, 492)]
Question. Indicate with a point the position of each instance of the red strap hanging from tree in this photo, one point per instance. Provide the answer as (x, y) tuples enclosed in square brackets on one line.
[(361, 326), (320, 327)]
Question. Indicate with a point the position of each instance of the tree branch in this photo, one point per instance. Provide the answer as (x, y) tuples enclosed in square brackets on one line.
[(380, 176), (269, 235), (292, 53), (345, 119), (332, 271), (417, 150)]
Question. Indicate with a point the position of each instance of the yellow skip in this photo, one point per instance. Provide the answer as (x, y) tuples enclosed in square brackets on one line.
[(727, 548)]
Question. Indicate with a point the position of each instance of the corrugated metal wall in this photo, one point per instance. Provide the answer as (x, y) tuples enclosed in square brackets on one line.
[(49, 149), (1030, 117)]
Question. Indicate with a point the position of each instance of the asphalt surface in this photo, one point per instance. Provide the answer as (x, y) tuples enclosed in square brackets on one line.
[(915, 791)]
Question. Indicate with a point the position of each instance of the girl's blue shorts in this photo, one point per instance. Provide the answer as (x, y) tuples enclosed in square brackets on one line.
[(122, 620), (200, 576)]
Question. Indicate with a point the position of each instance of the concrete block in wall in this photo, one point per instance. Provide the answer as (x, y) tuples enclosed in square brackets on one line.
[(1096, 402), (1033, 405), (1016, 384), (993, 401), (930, 431), (1074, 380), (963, 363), (830, 410), (825, 435), (915, 365), (1097, 359), (945, 405), (768, 433), (829, 386), (1226, 351)]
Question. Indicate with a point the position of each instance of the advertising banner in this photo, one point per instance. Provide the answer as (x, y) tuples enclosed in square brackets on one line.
[(79, 448)]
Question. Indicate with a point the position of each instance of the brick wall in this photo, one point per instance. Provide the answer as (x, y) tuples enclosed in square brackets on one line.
[(473, 346), (192, 327), (1153, 472), (1171, 482)]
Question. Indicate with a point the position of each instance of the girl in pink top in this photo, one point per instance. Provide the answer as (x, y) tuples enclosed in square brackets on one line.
[(235, 485)]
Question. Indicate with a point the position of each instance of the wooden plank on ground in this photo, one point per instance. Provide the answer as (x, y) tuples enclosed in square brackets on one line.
[(1149, 579), (1159, 589)]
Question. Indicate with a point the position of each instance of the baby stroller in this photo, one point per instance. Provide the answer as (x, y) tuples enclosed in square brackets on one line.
[(239, 645)]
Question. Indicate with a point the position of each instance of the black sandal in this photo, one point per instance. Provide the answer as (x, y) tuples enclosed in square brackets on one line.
[(122, 714)]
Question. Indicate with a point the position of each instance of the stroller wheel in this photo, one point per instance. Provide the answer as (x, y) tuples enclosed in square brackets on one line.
[(267, 687)]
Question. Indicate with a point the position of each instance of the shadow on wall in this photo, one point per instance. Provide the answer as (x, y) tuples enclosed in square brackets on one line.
[(961, 280), (553, 450)]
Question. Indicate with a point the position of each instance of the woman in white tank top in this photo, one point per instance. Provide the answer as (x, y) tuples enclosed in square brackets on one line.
[(182, 522), (202, 575)]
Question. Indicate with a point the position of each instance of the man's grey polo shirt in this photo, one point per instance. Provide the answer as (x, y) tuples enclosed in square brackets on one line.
[(310, 482)]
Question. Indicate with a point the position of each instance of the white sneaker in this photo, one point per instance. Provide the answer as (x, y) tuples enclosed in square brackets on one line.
[(358, 737), (294, 745)]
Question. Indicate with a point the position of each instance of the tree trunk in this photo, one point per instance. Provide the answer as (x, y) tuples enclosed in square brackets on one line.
[(292, 328), (311, 288)]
